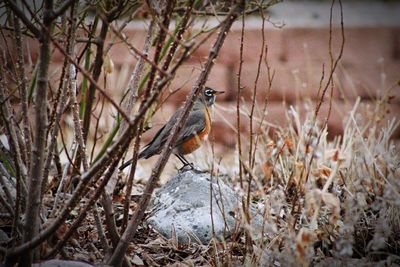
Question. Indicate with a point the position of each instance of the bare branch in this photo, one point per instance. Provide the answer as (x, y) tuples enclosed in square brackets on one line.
[(115, 259), (84, 211), (20, 167), (335, 63), (39, 145), (142, 56), (160, 42), (92, 81), (63, 99), (20, 14), (238, 95), (90, 93), (99, 166), (170, 54), (22, 85), (62, 8), (137, 74)]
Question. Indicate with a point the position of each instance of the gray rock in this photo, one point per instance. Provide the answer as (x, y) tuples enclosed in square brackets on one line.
[(181, 208)]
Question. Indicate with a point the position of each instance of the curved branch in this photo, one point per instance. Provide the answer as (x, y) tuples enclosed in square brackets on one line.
[(119, 252), (61, 9)]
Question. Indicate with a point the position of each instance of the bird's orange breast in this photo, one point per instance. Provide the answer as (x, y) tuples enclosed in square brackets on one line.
[(194, 142)]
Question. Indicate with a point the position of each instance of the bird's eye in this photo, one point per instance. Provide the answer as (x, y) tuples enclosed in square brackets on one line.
[(208, 92)]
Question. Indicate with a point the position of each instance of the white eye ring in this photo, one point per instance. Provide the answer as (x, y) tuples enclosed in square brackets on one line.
[(208, 93)]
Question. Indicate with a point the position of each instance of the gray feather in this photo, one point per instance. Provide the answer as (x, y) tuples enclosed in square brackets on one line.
[(194, 124)]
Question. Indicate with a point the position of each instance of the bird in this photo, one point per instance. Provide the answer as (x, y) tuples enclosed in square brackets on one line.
[(195, 130)]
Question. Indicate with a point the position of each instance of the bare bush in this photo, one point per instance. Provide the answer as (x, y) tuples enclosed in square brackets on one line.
[(318, 198)]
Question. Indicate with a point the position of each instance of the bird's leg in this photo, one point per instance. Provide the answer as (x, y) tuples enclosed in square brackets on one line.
[(184, 161)]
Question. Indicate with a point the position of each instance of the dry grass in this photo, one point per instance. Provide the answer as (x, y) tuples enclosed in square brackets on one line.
[(327, 201), (322, 198), (319, 198)]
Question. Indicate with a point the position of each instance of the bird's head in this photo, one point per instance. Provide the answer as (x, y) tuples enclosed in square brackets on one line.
[(209, 95)]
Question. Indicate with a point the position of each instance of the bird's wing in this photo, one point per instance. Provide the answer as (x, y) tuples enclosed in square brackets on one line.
[(195, 123), (164, 132), (154, 146)]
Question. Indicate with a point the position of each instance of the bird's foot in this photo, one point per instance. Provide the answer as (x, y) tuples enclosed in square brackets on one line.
[(191, 167), (187, 167), (202, 171)]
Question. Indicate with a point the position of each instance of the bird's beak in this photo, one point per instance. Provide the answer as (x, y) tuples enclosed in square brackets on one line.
[(219, 92)]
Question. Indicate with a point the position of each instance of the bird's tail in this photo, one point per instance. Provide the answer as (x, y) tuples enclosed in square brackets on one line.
[(144, 154), (126, 164)]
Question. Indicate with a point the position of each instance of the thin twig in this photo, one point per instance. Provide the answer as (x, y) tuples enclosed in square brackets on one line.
[(245, 209), (10, 126), (253, 102), (90, 93), (96, 128), (338, 58), (238, 95), (82, 147), (141, 55), (7, 188), (137, 74), (328, 83), (83, 213), (22, 85), (62, 98), (167, 62), (28, 23), (131, 176), (62, 8), (99, 166), (74, 147), (100, 230)]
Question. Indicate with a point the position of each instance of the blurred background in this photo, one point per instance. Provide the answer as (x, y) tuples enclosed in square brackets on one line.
[(296, 35)]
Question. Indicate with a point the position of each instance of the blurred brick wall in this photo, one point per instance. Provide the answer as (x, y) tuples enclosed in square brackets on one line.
[(369, 66)]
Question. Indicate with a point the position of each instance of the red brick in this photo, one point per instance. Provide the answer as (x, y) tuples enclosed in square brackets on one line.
[(120, 52), (369, 81), (276, 117), (186, 78)]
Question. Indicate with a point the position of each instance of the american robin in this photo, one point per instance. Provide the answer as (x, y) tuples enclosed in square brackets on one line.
[(195, 130)]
